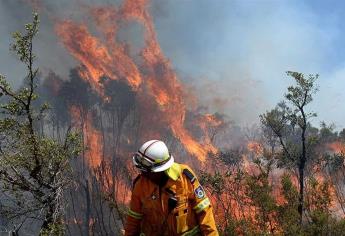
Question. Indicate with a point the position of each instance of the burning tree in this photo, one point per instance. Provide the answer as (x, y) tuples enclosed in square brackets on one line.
[(118, 98), (33, 166)]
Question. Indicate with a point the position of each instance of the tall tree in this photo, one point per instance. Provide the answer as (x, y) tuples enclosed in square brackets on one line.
[(33, 166), (289, 122)]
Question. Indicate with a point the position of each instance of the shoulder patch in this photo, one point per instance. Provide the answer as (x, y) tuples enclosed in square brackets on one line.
[(199, 192), (136, 180), (189, 175)]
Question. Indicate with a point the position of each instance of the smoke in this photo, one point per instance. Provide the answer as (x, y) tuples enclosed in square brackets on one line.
[(51, 55), (217, 93), (231, 52), (243, 48)]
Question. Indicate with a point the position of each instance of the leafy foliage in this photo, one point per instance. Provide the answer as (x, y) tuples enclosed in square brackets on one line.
[(33, 167), (289, 122)]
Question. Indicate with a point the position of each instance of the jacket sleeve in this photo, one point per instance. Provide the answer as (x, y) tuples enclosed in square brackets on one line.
[(134, 215), (203, 209), (206, 222)]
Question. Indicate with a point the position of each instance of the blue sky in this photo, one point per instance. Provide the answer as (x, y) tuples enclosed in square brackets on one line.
[(234, 54)]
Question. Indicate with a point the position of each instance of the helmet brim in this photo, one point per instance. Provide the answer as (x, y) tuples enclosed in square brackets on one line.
[(164, 166), (161, 168)]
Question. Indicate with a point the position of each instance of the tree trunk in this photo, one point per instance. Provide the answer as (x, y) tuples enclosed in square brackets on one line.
[(301, 167), (301, 193), (49, 218), (87, 230)]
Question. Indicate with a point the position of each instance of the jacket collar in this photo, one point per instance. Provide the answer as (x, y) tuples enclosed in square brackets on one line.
[(174, 171)]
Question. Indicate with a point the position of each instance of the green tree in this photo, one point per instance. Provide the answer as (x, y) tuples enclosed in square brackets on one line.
[(33, 166), (342, 135), (327, 133), (288, 216), (259, 190), (289, 122)]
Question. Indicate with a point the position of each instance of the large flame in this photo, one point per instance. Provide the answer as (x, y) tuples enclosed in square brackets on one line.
[(112, 59), (255, 147), (337, 147), (92, 137)]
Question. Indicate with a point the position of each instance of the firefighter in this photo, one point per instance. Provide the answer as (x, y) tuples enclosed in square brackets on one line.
[(167, 198)]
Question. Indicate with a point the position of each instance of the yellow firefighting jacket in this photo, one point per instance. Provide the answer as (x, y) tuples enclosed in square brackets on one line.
[(149, 214)]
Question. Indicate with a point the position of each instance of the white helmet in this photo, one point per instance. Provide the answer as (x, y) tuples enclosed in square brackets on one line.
[(153, 156)]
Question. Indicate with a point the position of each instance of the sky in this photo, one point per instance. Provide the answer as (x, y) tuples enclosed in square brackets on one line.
[(233, 54)]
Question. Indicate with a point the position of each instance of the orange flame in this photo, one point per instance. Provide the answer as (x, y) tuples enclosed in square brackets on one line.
[(92, 138), (255, 147), (113, 60), (95, 56), (337, 147)]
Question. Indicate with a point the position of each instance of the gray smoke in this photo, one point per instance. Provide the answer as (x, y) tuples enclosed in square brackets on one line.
[(233, 53)]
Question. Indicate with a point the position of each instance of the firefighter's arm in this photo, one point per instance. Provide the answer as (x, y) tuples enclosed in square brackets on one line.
[(134, 215), (202, 207), (206, 221)]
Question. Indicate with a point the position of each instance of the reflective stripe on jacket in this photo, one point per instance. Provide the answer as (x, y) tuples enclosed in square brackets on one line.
[(149, 214)]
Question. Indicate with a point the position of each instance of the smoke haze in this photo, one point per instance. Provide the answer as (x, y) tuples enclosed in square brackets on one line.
[(233, 53)]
